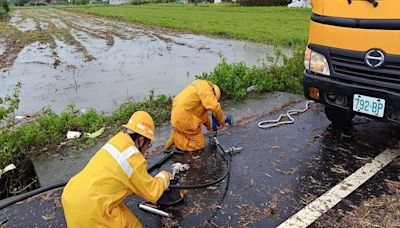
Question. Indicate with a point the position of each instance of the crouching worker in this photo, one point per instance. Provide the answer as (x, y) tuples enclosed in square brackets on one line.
[(94, 197), (190, 111)]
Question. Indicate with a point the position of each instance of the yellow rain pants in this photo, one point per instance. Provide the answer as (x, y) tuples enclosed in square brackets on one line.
[(94, 197), (189, 111)]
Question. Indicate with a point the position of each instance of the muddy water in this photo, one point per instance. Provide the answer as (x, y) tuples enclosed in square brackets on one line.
[(100, 63)]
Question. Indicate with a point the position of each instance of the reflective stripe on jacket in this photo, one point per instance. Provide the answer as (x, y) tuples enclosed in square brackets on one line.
[(94, 197)]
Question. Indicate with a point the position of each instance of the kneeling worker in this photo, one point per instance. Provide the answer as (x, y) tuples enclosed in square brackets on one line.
[(190, 111), (94, 197)]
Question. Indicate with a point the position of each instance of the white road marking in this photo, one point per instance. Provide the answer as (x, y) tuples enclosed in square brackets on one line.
[(318, 207)]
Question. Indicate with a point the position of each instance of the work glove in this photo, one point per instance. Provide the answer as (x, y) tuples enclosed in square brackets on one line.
[(216, 125)]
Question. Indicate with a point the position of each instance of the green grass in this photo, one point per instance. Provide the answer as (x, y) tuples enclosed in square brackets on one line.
[(278, 25), (235, 79)]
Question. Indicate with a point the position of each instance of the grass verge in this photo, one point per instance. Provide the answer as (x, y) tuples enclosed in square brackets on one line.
[(279, 25), (236, 80)]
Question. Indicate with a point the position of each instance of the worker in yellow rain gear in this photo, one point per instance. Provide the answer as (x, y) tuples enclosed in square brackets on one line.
[(94, 197), (190, 111)]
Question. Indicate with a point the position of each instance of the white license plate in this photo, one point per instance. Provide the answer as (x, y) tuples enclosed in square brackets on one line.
[(369, 105)]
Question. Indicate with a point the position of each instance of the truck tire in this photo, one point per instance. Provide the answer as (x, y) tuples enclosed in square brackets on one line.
[(339, 117)]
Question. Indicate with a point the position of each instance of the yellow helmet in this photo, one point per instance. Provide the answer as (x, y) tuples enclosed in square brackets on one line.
[(217, 91), (141, 123)]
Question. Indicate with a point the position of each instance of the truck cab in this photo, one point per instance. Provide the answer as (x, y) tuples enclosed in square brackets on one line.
[(352, 60)]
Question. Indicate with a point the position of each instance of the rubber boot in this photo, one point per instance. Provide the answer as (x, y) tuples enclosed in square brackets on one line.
[(170, 141)]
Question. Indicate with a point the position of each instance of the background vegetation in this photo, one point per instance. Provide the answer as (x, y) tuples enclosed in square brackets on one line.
[(4, 8), (236, 80), (278, 25)]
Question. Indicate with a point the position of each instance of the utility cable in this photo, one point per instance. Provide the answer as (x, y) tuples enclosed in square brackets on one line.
[(221, 178), (273, 123)]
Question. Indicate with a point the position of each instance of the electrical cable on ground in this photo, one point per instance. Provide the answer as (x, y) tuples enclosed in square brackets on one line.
[(276, 122), (31, 193), (221, 178)]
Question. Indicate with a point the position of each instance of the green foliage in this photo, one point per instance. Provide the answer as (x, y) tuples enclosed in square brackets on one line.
[(279, 25), (61, 2), (4, 4), (21, 2), (8, 105), (159, 107), (50, 129), (80, 2), (236, 79), (4, 8)]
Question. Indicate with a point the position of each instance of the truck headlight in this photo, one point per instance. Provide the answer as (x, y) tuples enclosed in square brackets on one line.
[(316, 62)]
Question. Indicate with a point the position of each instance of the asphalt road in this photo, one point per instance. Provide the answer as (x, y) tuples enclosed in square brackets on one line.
[(278, 172)]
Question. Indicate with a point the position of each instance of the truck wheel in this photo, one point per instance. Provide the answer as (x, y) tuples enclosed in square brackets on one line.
[(339, 117)]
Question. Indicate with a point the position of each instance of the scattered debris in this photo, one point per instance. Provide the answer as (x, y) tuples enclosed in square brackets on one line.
[(339, 169), (197, 208), (7, 169), (56, 63), (250, 89), (233, 150), (95, 134), (170, 222), (88, 58), (212, 188), (49, 216), (179, 167), (73, 134), (288, 172), (382, 211), (19, 117), (366, 159)]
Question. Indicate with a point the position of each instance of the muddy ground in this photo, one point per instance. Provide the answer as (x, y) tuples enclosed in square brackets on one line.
[(278, 172), (62, 57)]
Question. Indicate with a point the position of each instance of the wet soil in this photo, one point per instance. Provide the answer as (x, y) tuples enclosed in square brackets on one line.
[(62, 57), (279, 171)]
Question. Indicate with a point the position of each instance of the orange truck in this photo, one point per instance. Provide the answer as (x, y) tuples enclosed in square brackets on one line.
[(352, 59)]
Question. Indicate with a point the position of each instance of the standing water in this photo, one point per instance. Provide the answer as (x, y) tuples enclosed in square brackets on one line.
[(96, 62)]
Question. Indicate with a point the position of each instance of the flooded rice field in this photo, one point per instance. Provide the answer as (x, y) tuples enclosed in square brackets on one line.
[(61, 57)]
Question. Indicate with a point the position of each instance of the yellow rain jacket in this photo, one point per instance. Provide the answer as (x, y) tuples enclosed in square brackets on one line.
[(190, 111), (94, 197)]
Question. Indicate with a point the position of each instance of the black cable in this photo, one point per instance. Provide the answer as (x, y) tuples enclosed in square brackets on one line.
[(30, 194), (205, 185)]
